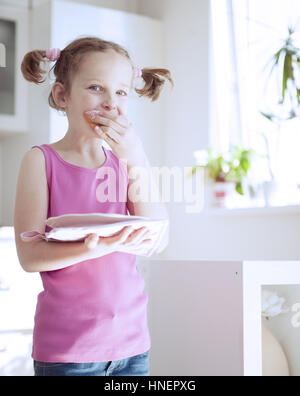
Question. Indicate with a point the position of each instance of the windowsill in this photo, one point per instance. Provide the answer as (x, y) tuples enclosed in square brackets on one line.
[(259, 210), (7, 232)]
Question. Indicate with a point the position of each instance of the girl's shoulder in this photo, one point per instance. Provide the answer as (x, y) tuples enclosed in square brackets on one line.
[(32, 172), (34, 161), (35, 155)]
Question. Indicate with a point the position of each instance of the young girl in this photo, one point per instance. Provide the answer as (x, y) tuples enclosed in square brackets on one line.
[(91, 318)]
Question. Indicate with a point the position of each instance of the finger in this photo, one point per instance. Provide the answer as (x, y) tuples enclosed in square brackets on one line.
[(110, 123), (136, 236), (91, 241), (116, 240), (124, 233), (108, 136), (112, 134), (141, 248), (99, 132), (122, 120), (140, 235), (129, 237), (142, 244)]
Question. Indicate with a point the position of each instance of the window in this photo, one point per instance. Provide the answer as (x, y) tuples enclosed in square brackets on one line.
[(245, 35)]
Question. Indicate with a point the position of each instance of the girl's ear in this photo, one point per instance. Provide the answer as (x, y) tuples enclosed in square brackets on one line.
[(59, 95)]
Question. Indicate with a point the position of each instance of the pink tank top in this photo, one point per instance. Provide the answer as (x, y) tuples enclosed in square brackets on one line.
[(95, 310)]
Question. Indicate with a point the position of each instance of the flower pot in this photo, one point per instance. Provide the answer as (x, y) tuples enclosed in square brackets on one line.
[(274, 361), (222, 191)]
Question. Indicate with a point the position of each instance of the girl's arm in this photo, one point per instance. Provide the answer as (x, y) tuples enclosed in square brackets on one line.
[(45, 256), (150, 205), (31, 209), (127, 146)]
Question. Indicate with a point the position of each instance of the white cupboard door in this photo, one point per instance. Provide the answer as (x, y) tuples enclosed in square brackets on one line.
[(13, 86)]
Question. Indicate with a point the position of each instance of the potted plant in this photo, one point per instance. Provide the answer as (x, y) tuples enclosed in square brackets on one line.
[(226, 170), (290, 94)]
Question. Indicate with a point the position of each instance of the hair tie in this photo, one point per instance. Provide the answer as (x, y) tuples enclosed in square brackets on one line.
[(53, 54), (137, 72)]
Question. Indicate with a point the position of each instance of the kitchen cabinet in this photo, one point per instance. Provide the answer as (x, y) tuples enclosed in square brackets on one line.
[(205, 316), (13, 88)]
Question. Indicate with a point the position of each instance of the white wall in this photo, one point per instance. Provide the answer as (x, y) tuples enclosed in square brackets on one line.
[(121, 5)]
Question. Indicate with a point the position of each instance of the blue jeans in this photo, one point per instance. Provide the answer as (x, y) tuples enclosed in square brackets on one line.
[(137, 365)]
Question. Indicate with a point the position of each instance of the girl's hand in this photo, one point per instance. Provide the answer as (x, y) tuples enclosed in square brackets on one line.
[(121, 136), (127, 238)]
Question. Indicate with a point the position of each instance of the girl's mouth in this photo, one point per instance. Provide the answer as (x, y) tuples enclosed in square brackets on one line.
[(89, 120)]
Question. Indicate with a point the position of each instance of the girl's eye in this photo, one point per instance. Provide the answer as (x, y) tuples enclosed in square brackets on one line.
[(97, 86)]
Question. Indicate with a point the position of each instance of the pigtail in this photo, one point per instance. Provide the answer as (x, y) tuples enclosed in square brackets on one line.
[(30, 66), (153, 82)]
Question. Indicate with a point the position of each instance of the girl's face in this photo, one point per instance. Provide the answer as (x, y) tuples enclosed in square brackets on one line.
[(103, 83)]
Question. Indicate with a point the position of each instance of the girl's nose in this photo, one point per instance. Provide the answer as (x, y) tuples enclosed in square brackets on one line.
[(109, 106)]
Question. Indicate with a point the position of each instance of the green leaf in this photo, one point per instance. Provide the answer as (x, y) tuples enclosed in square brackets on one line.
[(239, 188), (291, 30), (288, 72), (298, 95), (245, 164), (274, 59), (285, 77), (290, 65), (268, 116), (192, 172)]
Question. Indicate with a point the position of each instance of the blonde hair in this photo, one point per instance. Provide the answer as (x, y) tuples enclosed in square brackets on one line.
[(69, 61)]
